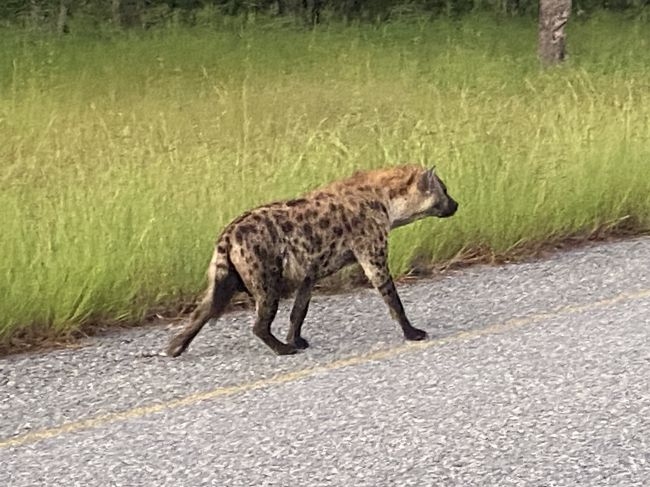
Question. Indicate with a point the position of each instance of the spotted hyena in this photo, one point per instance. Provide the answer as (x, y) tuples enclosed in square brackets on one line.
[(299, 241)]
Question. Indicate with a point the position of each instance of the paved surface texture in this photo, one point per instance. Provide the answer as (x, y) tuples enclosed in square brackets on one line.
[(535, 374)]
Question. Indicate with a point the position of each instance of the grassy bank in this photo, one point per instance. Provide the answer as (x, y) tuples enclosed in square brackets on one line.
[(123, 156)]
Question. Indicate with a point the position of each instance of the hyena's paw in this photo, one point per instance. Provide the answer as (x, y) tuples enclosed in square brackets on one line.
[(415, 334), (300, 343), (172, 351), (175, 348), (285, 349)]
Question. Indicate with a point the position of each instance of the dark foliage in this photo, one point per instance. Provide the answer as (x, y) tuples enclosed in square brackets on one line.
[(145, 13)]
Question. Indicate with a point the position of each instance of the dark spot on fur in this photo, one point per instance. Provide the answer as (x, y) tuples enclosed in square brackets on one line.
[(239, 237), (378, 206), (245, 229), (221, 249), (299, 217), (222, 266), (318, 242), (348, 227), (297, 202), (356, 222), (257, 218), (392, 193), (287, 227), (307, 229), (273, 233), (410, 180), (324, 223), (338, 231)]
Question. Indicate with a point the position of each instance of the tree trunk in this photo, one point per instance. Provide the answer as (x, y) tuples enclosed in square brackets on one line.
[(62, 19), (553, 16), (116, 13)]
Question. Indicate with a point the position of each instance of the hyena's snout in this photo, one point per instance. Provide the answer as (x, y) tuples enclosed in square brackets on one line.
[(444, 207), (450, 207)]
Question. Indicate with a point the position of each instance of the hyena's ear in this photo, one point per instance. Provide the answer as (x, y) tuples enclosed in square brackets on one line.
[(426, 183)]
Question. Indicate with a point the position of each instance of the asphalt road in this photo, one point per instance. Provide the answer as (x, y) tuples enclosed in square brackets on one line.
[(534, 374)]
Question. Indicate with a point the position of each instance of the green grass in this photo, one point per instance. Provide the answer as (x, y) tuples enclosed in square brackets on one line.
[(124, 155)]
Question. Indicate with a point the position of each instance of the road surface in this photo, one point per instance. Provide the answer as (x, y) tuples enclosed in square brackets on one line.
[(535, 374)]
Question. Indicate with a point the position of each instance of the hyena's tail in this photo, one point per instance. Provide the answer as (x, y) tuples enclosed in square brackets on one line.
[(222, 284)]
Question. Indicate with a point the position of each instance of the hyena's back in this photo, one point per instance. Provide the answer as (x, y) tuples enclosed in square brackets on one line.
[(312, 236)]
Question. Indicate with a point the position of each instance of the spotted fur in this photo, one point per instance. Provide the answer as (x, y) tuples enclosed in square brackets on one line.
[(299, 241)]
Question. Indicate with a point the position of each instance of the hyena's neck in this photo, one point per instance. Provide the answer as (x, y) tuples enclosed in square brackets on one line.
[(380, 201), (399, 214)]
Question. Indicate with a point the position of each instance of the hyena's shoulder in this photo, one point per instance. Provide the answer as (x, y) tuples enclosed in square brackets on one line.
[(381, 182)]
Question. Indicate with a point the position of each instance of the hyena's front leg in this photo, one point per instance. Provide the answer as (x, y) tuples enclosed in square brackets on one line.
[(298, 313), (376, 269), (389, 293)]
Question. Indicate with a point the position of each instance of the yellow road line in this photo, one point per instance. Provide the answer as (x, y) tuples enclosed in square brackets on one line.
[(138, 412)]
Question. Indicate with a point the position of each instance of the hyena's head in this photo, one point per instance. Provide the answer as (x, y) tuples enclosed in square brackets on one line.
[(418, 193)]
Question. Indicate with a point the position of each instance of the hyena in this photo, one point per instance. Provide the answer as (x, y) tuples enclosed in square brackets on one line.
[(299, 241)]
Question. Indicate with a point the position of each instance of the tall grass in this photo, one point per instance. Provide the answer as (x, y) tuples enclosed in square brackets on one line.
[(123, 155)]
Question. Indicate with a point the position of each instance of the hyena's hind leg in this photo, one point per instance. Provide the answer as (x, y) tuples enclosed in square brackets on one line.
[(298, 313), (267, 307), (212, 306)]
